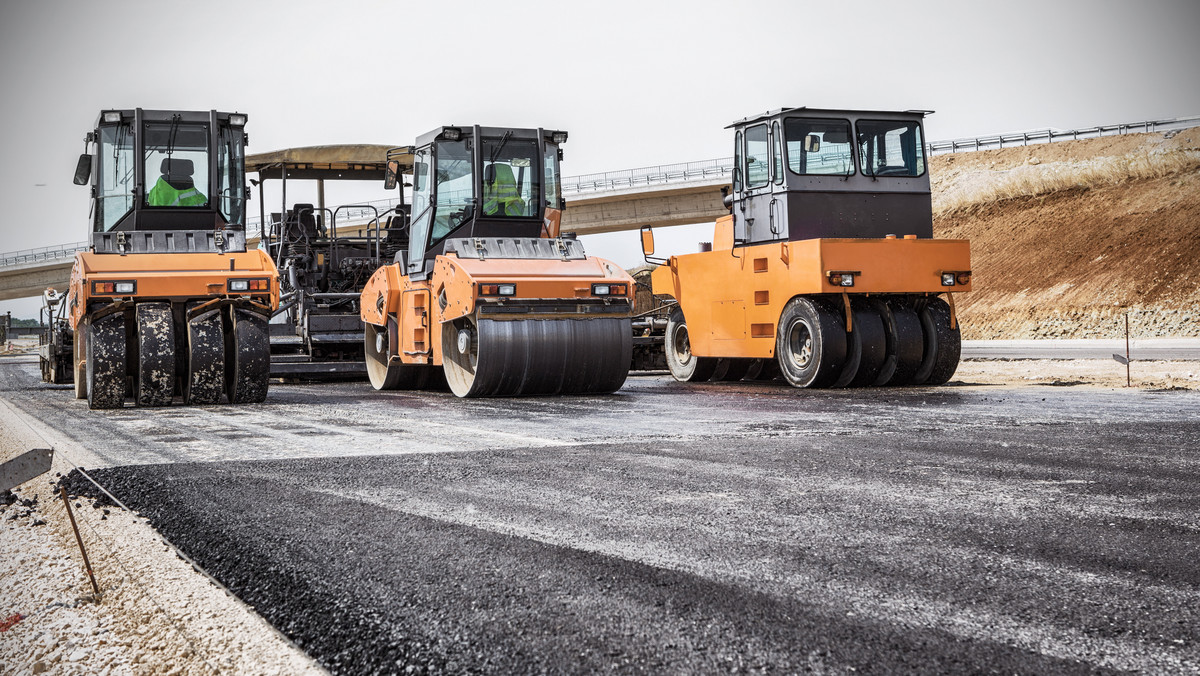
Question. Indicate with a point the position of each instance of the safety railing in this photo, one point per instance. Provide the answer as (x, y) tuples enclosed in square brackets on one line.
[(42, 254), (723, 168), (1024, 138)]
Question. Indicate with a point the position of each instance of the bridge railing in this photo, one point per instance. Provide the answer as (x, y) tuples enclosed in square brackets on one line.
[(42, 254), (723, 167)]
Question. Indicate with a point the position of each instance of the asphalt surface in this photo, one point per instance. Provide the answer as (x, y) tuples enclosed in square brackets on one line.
[(681, 528)]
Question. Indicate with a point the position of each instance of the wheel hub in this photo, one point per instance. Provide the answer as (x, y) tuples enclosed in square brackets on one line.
[(464, 341), (800, 344), (683, 346)]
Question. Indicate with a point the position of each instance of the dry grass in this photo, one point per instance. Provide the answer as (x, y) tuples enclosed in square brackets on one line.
[(1037, 179)]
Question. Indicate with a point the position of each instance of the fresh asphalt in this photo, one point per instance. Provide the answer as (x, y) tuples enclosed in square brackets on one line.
[(675, 528)]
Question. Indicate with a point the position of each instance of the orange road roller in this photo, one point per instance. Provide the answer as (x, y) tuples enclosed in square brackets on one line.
[(486, 292), (168, 301), (826, 270)]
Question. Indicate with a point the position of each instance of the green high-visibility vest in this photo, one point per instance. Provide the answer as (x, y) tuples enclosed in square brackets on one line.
[(163, 195)]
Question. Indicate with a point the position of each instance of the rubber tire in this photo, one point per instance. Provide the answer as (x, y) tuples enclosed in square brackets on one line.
[(866, 347), (155, 381), (248, 361), (731, 369), (943, 345), (684, 366), (79, 348), (820, 330), (106, 363), (905, 342), (762, 370), (204, 381)]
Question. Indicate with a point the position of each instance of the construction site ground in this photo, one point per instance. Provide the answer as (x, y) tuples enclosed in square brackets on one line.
[(1032, 516)]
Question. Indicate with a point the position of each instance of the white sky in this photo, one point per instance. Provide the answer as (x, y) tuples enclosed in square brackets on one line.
[(636, 83)]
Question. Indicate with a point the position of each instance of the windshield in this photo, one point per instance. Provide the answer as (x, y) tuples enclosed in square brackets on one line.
[(890, 148), (454, 187), (115, 176), (511, 183), (231, 174), (176, 164), (816, 147)]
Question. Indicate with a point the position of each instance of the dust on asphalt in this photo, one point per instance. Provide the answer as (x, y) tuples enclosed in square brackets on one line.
[(678, 528)]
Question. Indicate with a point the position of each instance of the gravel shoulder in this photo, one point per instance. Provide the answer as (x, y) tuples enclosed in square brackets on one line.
[(155, 613)]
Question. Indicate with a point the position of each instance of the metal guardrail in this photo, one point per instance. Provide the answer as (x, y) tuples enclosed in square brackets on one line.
[(679, 173), (42, 254), (705, 170), (1024, 138)]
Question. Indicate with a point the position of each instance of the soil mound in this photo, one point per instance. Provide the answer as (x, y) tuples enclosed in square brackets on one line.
[(1068, 237)]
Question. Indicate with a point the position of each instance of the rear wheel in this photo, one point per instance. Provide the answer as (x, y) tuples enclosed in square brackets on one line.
[(248, 369), (156, 354), (731, 369), (205, 378), (684, 366), (943, 345), (811, 343), (866, 345), (105, 363)]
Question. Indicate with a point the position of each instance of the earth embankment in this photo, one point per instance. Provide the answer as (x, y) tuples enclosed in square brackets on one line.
[(1067, 238)]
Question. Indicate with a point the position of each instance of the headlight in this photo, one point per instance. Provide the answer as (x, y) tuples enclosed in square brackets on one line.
[(842, 278), (947, 279), (600, 289), (124, 287), (239, 285), (243, 285)]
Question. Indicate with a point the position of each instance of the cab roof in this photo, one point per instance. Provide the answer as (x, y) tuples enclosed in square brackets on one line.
[(830, 112)]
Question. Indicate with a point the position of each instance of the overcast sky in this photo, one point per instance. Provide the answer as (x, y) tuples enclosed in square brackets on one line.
[(635, 83)]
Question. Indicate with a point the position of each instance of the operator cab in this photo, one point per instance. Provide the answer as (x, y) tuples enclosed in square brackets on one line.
[(808, 173), (166, 171), (480, 182)]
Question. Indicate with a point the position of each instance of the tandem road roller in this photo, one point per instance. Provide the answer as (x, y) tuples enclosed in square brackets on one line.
[(826, 269), (168, 300), (486, 290)]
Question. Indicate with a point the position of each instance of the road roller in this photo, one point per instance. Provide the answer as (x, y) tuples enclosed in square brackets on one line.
[(168, 301), (825, 271), (486, 292)]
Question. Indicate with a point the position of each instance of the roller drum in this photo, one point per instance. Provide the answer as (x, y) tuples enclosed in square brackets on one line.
[(522, 357)]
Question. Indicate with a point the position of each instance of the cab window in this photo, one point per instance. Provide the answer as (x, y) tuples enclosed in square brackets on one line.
[(115, 177), (890, 148), (511, 182), (758, 158), (176, 170), (818, 146), (454, 187)]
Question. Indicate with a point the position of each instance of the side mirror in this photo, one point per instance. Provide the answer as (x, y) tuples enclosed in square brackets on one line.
[(83, 169), (489, 174), (647, 242), (812, 143), (391, 174)]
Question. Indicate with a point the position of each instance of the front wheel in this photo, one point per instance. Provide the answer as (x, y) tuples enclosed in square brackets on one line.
[(810, 344), (685, 366), (383, 376)]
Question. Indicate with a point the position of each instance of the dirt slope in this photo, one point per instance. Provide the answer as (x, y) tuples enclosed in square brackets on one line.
[(1067, 237)]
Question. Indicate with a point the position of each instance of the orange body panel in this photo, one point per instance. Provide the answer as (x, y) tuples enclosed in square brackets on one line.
[(732, 298), (170, 277), (417, 305)]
